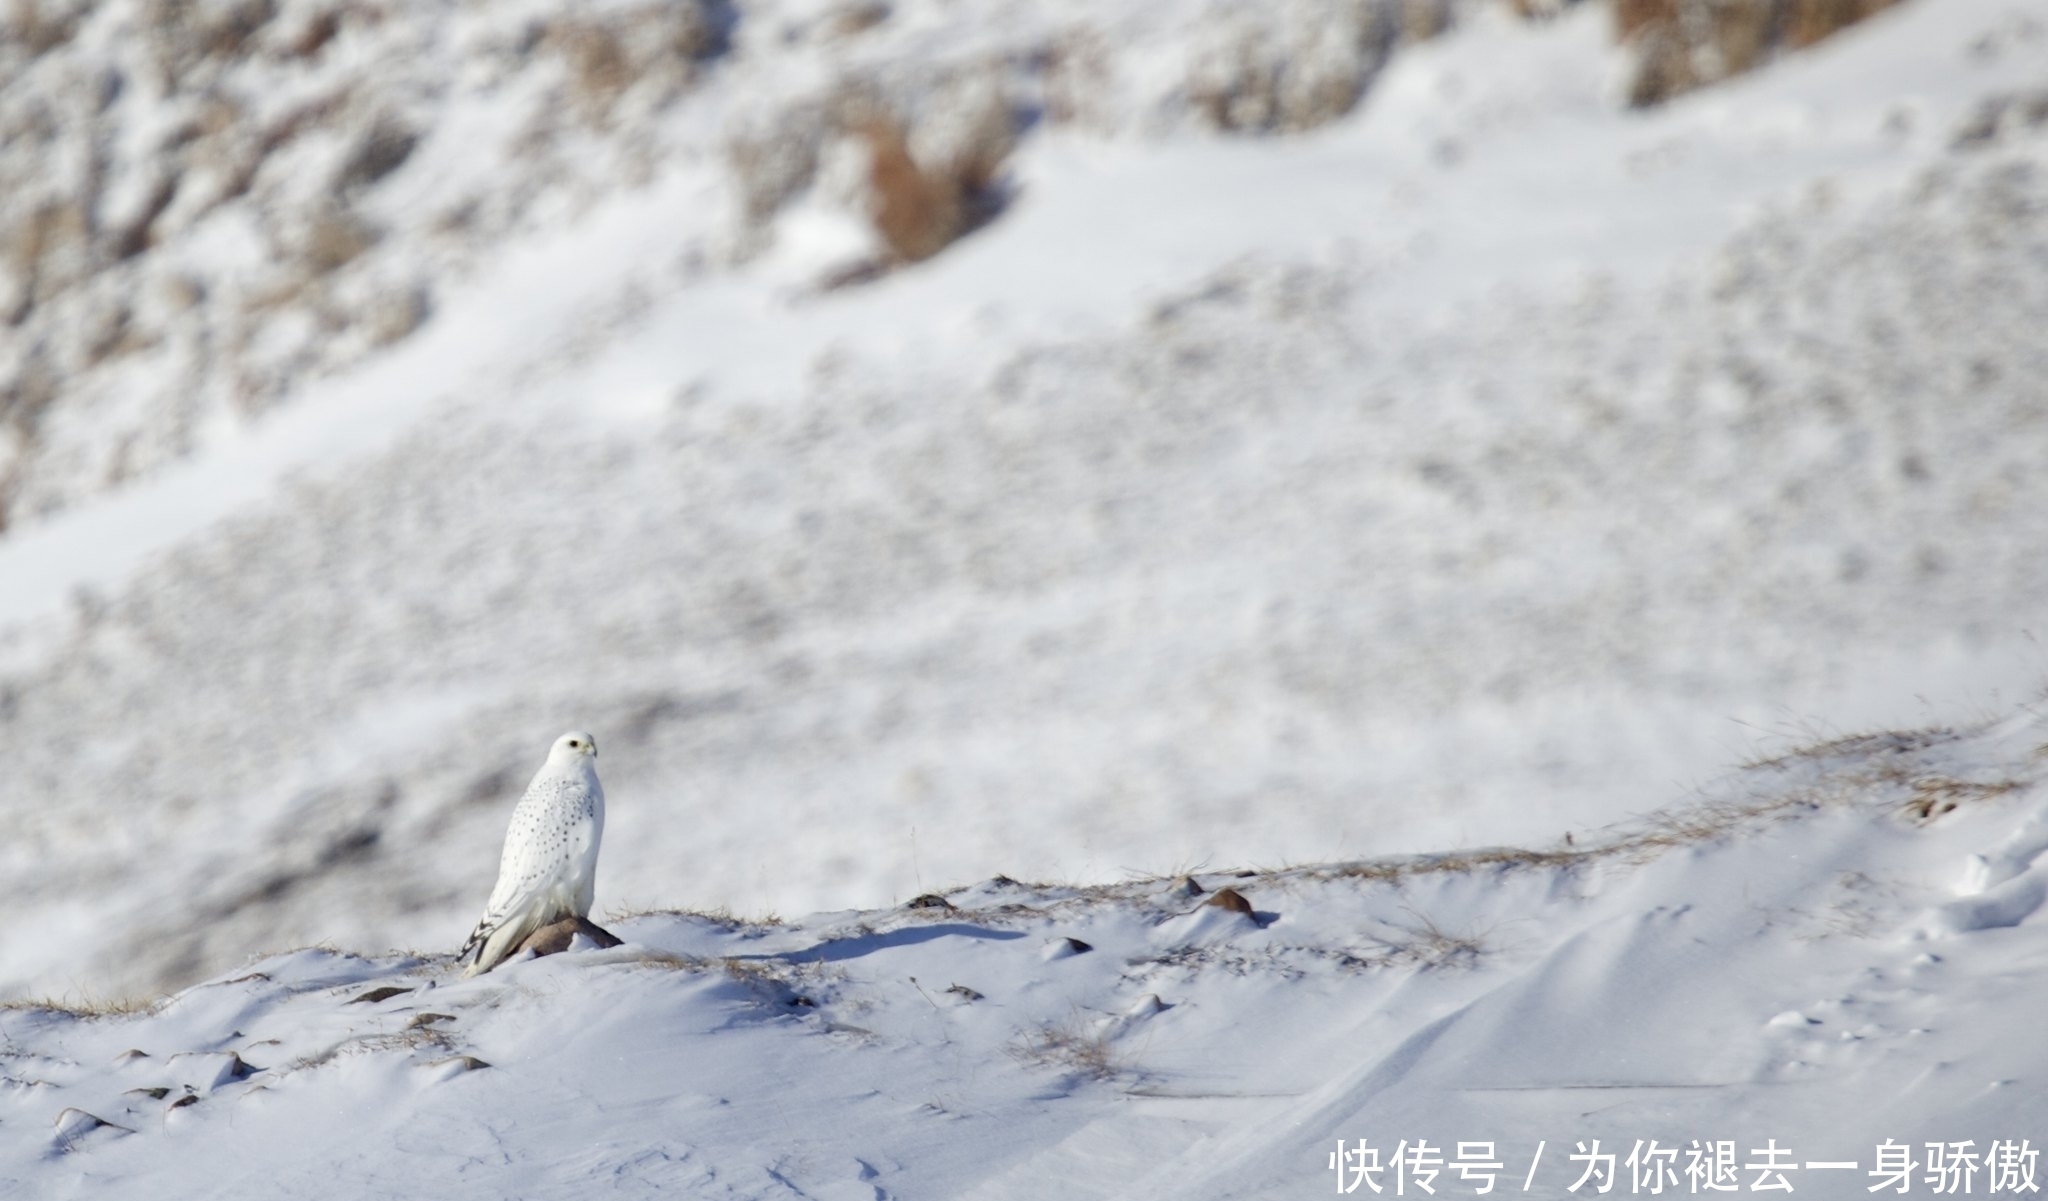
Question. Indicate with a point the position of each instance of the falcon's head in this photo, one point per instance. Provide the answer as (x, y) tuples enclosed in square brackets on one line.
[(572, 746)]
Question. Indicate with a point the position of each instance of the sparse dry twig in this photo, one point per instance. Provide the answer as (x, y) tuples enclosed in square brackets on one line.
[(1070, 1044)]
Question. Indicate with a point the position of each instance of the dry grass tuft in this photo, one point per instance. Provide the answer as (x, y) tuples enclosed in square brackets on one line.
[(933, 167), (412, 1038), (669, 961), (1429, 945), (87, 1008), (920, 208), (38, 29), (1876, 768), (333, 239), (917, 212), (1299, 68), (761, 973), (781, 983), (718, 915), (609, 55), (1865, 745), (1422, 20), (48, 250), (1074, 1045), (1934, 796), (1685, 44), (1396, 870), (856, 18), (184, 35), (2000, 113)]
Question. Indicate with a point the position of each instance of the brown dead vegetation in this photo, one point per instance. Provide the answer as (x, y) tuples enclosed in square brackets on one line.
[(916, 212), (933, 174), (39, 26), (1073, 1045), (920, 209), (183, 34), (1424, 943), (720, 915), (334, 239), (1686, 44), (47, 251), (1886, 761), (2016, 112), (1934, 796), (1267, 73), (90, 193), (609, 54), (87, 1008)]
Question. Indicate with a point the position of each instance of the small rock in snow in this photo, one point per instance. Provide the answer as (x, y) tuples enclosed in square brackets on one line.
[(74, 1124), (1062, 948), (453, 1066), (549, 940), (208, 1070)]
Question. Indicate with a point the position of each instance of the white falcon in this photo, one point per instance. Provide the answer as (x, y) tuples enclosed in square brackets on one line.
[(549, 869)]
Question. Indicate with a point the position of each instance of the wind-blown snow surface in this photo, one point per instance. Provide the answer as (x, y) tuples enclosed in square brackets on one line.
[(1452, 474), (1831, 950)]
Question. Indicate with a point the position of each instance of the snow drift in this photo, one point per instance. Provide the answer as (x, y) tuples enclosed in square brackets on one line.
[(1821, 956)]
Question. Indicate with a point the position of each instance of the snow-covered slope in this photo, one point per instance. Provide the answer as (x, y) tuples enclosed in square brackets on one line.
[(1451, 473), (206, 206), (1820, 954)]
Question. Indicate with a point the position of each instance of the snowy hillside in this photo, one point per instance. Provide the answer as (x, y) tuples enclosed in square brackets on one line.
[(209, 204), (1823, 956), (1465, 458)]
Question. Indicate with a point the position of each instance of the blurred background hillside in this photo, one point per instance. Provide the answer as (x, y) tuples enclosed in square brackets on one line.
[(932, 438)]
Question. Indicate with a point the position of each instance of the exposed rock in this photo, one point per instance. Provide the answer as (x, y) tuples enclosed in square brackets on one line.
[(1062, 948), (456, 1065), (549, 940), (74, 1124)]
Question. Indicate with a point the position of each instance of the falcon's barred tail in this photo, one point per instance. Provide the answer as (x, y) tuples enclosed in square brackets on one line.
[(499, 935), (491, 943), (474, 948)]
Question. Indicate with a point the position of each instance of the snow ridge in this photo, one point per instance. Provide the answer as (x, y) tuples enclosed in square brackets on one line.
[(1777, 961)]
